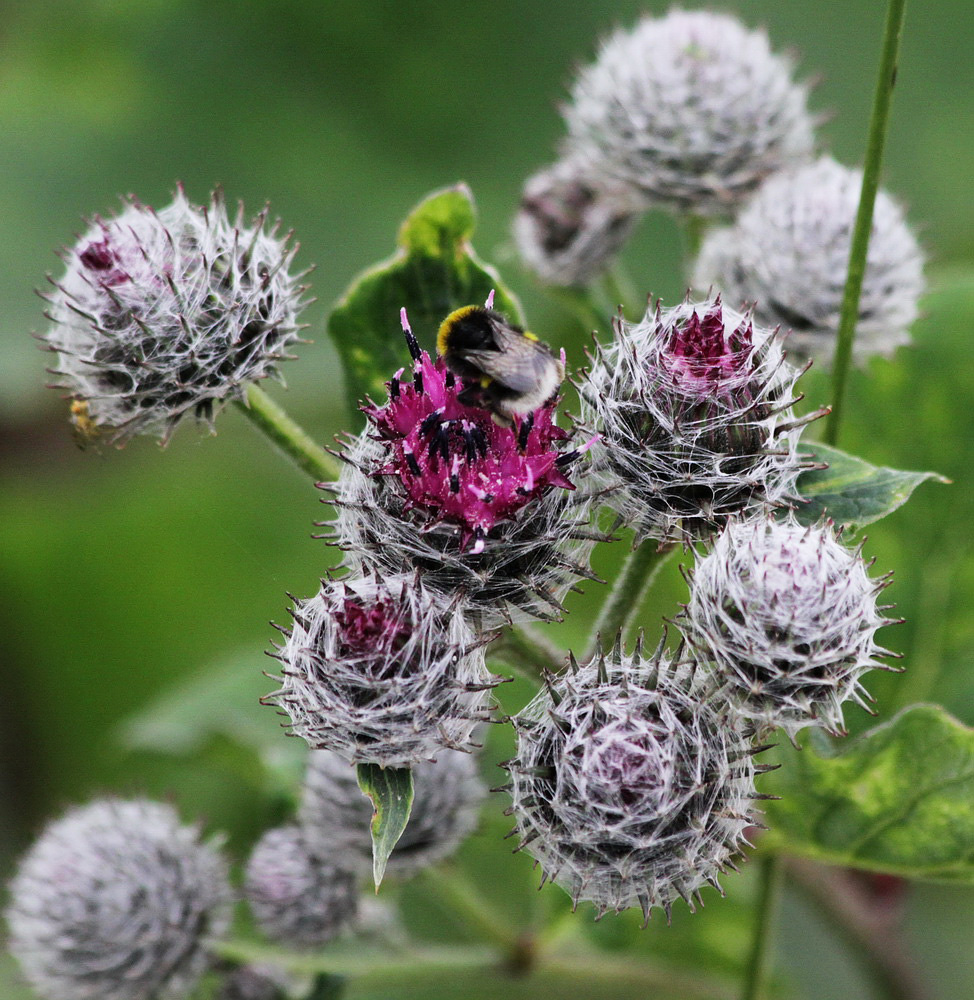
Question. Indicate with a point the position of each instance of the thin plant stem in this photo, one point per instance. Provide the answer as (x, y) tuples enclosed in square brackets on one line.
[(292, 440), (759, 963), (878, 127), (469, 904), (526, 653), (693, 229), (637, 574), (872, 933)]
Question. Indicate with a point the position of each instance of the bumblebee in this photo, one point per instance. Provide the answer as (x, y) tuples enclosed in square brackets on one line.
[(508, 369)]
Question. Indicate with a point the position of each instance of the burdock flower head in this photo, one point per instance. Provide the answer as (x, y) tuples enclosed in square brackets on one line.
[(569, 226), (788, 617), (690, 110), (166, 313), (788, 253), (481, 509), (629, 786), (692, 407), (117, 900), (382, 671), (335, 815), (297, 896)]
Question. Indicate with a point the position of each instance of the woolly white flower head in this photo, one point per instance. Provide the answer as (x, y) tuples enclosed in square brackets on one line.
[(692, 406), (164, 313), (788, 616), (630, 787), (382, 672), (298, 896), (335, 815), (788, 253), (116, 901), (692, 110), (569, 226)]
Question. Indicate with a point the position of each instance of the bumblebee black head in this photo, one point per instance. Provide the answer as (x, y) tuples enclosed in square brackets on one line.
[(471, 328)]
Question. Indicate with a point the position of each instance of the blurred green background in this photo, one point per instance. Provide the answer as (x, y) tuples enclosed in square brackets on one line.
[(123, 572)]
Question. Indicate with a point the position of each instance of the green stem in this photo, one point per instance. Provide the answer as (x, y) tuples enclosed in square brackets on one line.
[(527, 654), (759, 963), (294, 441), (469, 903), (693, 229), (878, 127), (632, 583)]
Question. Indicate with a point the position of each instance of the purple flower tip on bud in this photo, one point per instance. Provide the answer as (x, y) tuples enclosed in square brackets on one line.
[(484, 509), (160, 314), (382, 671), (630, 786), (693, 407)]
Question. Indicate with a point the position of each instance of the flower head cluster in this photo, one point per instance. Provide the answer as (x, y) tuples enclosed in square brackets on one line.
[(335, 815), (254, 982), (382, 671), (165, 313), (117, 900), (298, 896), (788, 253), (788, 616), (629, 787), (569, 226), (691, 110), (691, 404), (436, 485)]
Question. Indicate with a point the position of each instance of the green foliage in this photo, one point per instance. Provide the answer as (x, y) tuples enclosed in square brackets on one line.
[(391, 792), (899, 800), (433, 272), (852, 492)]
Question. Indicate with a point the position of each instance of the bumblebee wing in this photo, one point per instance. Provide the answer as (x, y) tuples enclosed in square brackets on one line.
[(517, 361)]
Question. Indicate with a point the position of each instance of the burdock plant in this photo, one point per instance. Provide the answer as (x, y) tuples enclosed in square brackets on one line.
[(457, 534)]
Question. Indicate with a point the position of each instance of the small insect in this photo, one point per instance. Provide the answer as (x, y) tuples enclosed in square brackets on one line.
[(509, 370), (85, 430)]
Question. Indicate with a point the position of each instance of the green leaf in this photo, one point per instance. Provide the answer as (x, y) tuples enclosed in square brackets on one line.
[(850, 490), (218, 709), (391, 792), (433, 271), (900, 799)]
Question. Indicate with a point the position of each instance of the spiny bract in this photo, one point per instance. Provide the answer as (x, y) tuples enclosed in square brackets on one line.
[(117, 901), (788, 617), (692, 405), (381, 671), (691, 111), (165, 313), (630, 786), (787, 253)]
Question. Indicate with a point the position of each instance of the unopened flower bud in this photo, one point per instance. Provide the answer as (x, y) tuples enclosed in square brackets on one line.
[(299, 897), (691, 110), (569, 227), (788, 254), (117, 901), (335, 814), (630, 786), (382, 671), (166, 313), (692, 404), (788, 617)]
